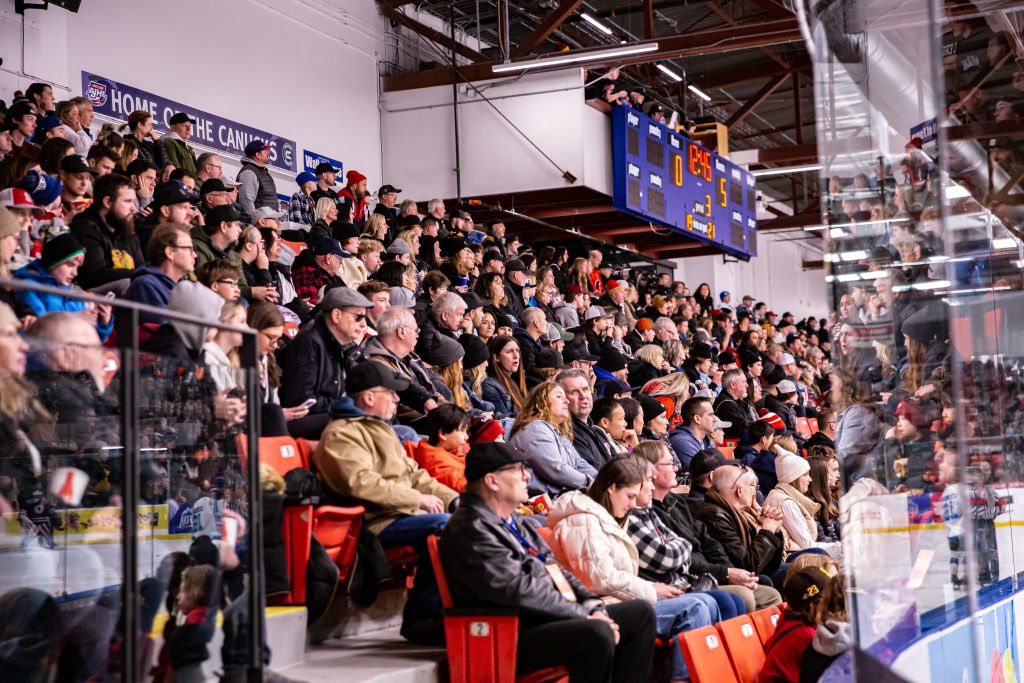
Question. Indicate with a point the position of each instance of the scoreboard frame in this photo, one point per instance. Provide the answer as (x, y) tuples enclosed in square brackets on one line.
[(667, 179)]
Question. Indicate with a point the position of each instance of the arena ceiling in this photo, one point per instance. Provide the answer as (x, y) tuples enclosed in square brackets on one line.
[(748, 55)]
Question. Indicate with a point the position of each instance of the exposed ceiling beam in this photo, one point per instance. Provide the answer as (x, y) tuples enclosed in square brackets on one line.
[(755, 101), (778, 155), (567, 211), (547, 26), (790, 222), (772, 7), (648, 19), (698, 43), (431, 34), (618, 231), (754, 73), (727, 18), (686, 252)]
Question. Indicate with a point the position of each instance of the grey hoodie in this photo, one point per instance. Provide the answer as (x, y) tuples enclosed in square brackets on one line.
[(199, 301), (832, 638)]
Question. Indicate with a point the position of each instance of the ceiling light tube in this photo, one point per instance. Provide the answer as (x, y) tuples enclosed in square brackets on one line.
[(699, 93), (595, 23), (786, 169), (670, 73), (564, 59)]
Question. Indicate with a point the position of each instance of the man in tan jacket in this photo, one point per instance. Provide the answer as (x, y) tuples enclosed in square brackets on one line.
[(360, 457)]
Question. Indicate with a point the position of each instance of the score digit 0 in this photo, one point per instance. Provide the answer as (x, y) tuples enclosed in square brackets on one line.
[(677, 170)]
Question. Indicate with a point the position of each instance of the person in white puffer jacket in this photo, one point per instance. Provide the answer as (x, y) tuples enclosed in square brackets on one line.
[(589, 538)]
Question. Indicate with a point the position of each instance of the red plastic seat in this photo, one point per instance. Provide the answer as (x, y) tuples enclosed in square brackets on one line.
[(706, 656), (482, 643), (803, 427), (765, 620), (744, 647)]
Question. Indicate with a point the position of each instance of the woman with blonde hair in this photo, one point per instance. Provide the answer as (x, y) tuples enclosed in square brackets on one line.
[(376, 228), (675, 353), (579, 273), (543, 431), (648, 364), (221, 353), (325, 212), (412, 238)]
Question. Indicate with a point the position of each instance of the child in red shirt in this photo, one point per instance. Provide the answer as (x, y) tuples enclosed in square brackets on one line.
[(805, 582)]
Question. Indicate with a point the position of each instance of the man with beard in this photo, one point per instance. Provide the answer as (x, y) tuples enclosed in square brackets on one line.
[(354, 195), (107, 231)]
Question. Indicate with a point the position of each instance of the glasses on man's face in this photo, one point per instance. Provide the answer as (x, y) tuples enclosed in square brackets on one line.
[(671, 463), (229, 283), (519, 468), (186, 247), (272, 339), (359, 317)]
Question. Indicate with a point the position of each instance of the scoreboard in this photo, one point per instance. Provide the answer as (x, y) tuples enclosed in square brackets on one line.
[(671, 181)]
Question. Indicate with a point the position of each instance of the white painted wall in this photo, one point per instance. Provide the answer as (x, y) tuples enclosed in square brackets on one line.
[(775, 276), (302, 69), (419, 148)]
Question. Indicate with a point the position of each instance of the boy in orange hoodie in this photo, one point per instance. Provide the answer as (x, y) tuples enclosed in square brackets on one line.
[(443, 453)]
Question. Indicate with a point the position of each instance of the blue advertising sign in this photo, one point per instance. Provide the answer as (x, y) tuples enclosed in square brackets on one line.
[(310, 160), (665, 178), (118, 100), (926, 130)]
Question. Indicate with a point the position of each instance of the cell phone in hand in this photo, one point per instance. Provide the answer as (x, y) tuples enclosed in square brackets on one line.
[(308, 403)]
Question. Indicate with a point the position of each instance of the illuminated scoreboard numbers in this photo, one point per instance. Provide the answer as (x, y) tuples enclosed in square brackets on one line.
[(699, 162), (707, 205), (677, 170), (723, 200), (689, 222)]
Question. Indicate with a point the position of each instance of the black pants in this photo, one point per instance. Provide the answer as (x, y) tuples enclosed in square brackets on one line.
[(587, 646)]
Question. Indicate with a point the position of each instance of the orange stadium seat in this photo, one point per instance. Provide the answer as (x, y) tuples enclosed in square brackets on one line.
[(744, 647), (765, 620), (482, 643), (706, 657)]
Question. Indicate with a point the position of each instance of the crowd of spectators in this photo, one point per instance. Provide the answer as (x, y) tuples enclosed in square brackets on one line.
[(655, 428)]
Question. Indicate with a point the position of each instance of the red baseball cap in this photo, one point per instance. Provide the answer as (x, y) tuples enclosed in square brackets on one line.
[(18, 198)]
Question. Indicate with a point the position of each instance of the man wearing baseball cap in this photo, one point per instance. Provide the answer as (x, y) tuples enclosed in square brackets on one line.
[(493, 559), (326, 180), (387, 201), (174, 144), (19, 202), (317, 268), (360, 457), (313, 365), (256, 185), (354, 195)]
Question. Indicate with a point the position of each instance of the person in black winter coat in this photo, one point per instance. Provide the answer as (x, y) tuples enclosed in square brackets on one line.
[(106, 230), (313, 365)]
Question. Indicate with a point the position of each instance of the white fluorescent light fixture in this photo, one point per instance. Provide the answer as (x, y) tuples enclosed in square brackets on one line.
[(670, 73), (848, 277), (561, 60), (931, 284), (787, 169), (873, 274), (813, 228), (699, 93), (1004, 243), (595, 23), (856, 255), (837, 232), (956, 192)]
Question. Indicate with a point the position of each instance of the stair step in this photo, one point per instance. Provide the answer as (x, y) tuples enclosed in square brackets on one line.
[(378, 657)]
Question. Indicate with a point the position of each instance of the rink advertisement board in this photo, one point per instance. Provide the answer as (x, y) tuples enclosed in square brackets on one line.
[(667, 179), (117, 100)]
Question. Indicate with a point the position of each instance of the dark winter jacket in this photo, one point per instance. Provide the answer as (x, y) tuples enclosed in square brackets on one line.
[(257, 187), (110, 254), (150, 286), (747, 546), (313, 366)]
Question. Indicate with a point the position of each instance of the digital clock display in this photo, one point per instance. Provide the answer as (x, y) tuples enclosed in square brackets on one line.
[(665, 178)]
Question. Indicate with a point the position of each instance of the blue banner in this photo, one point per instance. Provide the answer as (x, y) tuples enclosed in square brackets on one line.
[(310, 160), (925, 130), (118, 100)]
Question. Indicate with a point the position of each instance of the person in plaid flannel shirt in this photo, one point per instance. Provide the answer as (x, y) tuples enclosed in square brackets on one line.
[(317, 268), (300, 208), (664, 555)]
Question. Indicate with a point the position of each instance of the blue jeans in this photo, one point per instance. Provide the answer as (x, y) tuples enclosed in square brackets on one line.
[(424, 598), (730, 605), (689, 611)]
